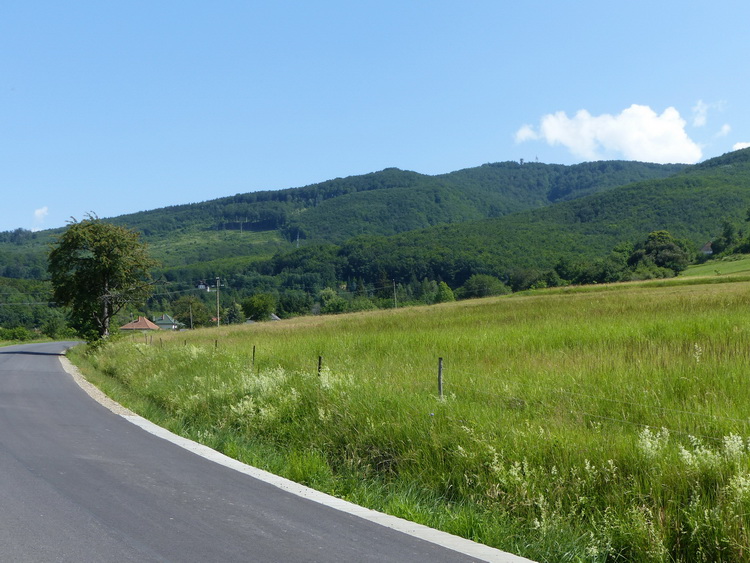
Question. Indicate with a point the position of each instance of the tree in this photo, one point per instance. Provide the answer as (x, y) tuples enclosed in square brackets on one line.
[(192, 311), (661, 250), (331, 302), (96, 269), (294, 302), (235, 314), (260, 306), (482, 285), (726, 240), (444, 293)]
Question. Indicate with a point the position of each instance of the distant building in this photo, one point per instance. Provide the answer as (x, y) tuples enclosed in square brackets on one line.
[(141, 324), (165, 322), (707, 250), (271, 317)]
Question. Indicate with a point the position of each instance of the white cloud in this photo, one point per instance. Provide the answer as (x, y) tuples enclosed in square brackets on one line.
[(701, 109), (724, 131), (637, 133), (700, 113), (738, 146), (526, 133), (39, 216)]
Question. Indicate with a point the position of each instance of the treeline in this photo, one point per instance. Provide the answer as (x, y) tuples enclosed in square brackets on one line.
[(17, 236), (733, 239), (26, 311), (309, 281)]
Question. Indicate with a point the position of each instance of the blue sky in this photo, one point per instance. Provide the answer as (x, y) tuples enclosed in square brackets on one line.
[(117, 107)]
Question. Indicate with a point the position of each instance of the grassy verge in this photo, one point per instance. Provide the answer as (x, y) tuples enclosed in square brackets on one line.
[(593, 425)]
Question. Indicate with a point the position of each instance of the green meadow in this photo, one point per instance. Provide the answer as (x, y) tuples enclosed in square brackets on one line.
[(605, 424), (735, 264)]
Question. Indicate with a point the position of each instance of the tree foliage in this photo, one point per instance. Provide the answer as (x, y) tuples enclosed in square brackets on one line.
[(192, 311), (482, 285), (444, 293), (260, 306), (96, 269), (662, 250)]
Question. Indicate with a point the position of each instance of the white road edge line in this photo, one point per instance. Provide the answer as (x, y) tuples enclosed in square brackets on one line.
[(444, 539)]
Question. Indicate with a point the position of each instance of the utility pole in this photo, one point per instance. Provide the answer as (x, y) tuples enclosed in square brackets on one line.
[(395, 303), (218, 283)]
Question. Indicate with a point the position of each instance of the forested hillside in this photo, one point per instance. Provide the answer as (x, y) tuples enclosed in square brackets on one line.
[(404, 201), (381, 203), (691, 205), (398, 237), (595, 238)]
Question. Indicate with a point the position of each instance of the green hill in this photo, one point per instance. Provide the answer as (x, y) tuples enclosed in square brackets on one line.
[(393, 236), (405, 201), (690, 204), (242, 228)]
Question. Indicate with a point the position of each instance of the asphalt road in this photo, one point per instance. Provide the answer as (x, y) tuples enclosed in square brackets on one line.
[(80, 483)]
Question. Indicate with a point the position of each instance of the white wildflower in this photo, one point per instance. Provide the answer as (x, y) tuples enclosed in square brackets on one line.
[(739, 487), (701, 457), (246, 407), (651, 443), (734, 446)]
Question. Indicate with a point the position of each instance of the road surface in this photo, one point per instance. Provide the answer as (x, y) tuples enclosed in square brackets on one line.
[(80, 483)]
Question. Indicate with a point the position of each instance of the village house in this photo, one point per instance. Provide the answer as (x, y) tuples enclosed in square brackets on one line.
[(165, 322), (142, 323)]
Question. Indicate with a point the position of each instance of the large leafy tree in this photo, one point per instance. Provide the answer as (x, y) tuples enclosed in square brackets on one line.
[(260, 306), (96, 269), (190, 310), (662, 250)]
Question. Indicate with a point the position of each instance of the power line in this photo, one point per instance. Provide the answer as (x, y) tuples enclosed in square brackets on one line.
[(36, 303)]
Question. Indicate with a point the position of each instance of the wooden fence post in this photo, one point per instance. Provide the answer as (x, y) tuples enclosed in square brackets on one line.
[(320, 364), (440, 377)]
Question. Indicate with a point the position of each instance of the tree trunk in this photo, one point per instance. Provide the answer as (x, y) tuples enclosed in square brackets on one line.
[(105, 311)]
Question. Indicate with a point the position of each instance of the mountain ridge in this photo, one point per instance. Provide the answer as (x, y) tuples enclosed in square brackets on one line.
[(352, 243), (381, 203)]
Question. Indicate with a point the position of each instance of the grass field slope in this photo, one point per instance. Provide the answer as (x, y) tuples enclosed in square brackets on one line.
[(588, 423), (733, 265)]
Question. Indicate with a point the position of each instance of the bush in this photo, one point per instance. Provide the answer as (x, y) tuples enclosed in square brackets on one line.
[(331, 302), (482, 285), (19, 334), (444, 293)]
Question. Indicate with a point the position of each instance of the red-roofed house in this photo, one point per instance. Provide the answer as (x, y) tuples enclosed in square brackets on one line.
[(141, 324)]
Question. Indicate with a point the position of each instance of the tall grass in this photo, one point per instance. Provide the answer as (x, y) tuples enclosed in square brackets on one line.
[(598, 425)]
